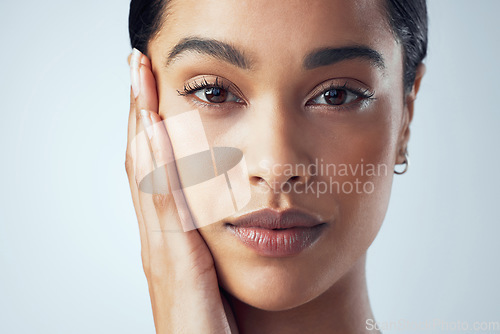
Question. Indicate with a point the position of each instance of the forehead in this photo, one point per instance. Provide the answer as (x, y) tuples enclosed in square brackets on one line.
[(278, 32)]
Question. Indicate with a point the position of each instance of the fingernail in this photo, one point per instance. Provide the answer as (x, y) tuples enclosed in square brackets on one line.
[(146, 121), (135, 78)]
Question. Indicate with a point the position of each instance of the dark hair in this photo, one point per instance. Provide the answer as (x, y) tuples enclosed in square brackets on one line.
[(407, 19), (144, 22)]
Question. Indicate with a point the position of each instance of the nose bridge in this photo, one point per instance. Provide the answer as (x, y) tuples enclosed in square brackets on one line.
[(277, 145)]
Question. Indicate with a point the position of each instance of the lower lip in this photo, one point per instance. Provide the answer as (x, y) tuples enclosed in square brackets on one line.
[(278, 243)]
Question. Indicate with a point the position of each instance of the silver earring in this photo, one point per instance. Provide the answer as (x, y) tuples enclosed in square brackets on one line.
[(406, 163)]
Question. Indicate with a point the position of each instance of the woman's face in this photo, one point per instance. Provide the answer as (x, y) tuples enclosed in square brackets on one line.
[(287, 105)]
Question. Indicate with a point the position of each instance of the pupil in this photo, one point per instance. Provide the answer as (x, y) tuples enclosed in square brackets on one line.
[(215, 94), (335, 96)]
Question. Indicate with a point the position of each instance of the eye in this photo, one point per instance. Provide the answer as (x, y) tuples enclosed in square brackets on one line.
[(215, 95), (335, 97)]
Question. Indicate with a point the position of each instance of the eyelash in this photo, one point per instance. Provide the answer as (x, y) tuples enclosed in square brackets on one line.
[(191, 88), (364, 95), (360, 92)]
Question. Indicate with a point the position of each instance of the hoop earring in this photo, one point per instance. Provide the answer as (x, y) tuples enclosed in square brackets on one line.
[(406, 163)]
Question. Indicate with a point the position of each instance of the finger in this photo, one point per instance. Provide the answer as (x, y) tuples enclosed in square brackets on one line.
[(166, 250), (144, 89), (147, 99), (131, 119), (163, 210), (148, 95), (144, 175), (130, 167), (145, 61), (171, 212), (145, 96), (164, 157)]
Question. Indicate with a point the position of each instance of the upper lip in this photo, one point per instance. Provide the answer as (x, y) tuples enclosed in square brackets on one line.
[(271, 219)]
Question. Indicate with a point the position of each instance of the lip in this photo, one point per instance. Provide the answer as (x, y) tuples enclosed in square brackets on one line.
[(277, 233)]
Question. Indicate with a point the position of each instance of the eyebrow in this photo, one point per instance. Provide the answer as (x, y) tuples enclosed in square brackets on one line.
[(329, 56), (210, 47), (232, 55)]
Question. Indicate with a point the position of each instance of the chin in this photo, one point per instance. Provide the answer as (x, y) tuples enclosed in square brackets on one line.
[(275, 288)]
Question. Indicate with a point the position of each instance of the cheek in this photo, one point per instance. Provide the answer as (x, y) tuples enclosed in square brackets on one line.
[(362, 154), (170, 103)]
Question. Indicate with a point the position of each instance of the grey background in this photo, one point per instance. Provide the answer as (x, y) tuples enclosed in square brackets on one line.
[(69, 243)]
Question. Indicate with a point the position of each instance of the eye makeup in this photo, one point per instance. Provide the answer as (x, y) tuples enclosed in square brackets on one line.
[(191, 87), (333, 94), (343, 94), (212, 94)]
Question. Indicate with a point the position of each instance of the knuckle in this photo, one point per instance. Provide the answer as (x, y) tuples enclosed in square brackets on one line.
[(157, 248), (146, 268), (161, 201), (138, 118), (145, 262), (156, 275), (129, 164), (140, 175), (132, 101), (159, 272)]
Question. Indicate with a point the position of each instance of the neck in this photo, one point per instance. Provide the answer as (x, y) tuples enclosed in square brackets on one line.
[(343, 308)]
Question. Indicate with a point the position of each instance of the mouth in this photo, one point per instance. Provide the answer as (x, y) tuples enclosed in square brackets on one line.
[(277, 234)]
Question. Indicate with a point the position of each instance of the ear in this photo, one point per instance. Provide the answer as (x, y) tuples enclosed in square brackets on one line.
[(128, 59), (408, 114)]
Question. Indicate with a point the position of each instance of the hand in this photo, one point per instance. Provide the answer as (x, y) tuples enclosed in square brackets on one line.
[(179, 267)]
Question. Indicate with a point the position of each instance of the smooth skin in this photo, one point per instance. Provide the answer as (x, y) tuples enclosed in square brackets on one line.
[(205, 281), (178, 266)]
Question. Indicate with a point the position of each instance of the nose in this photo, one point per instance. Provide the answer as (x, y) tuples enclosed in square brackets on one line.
[(277, 151)]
